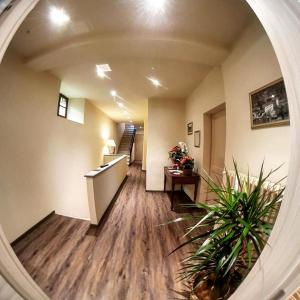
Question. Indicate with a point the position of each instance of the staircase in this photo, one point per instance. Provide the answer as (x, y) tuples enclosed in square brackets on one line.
[(127, 141)]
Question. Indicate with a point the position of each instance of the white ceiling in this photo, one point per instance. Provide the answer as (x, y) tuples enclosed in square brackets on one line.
[(178, 46)]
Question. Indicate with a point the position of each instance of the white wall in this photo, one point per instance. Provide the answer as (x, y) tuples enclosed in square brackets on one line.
[(43, 158), (166, 127), (251, 65), (208, 95), (76, 110)]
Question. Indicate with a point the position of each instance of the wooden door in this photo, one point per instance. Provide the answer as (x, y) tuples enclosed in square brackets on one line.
[(139, 140), (218, 142)]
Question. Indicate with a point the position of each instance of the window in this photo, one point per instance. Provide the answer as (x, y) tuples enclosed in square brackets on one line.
[(62, 108)]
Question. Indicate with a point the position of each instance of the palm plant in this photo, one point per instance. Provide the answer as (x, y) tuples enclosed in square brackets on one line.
[(229, 237)]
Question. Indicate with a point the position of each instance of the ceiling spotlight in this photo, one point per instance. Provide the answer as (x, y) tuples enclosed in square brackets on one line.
[(120, 104), (102, 69), (58, 16), (113, 93), (130, 121), (154, 81), (156, 6)]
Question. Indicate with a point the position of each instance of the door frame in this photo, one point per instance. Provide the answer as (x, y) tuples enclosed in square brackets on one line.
[(207, 143)]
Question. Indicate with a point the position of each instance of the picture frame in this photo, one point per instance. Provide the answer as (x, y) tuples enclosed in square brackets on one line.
[(197, 137), (269, 106), (190, 128)]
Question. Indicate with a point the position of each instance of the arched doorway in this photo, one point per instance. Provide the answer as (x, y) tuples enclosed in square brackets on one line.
[(276, 273)]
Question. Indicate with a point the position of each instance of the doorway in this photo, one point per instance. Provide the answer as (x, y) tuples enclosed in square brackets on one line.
[(139, 141), (214, 146)]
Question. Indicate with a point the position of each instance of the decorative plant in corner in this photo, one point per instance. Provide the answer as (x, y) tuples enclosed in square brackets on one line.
[(229, 236)]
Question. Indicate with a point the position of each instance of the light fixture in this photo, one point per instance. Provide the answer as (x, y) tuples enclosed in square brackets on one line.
[(102, 70), (154, 81), (113, 93), (120, 104), (58, 16), (156, 6), (130, 121), (111, 144)]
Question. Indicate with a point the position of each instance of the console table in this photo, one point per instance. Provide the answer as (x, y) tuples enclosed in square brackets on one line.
[(180, 179)]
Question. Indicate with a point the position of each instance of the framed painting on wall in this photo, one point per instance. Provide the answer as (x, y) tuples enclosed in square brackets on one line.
[(190, 128), (269, 106), (197, 138)]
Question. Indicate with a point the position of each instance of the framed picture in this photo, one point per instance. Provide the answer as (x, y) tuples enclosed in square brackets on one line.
[(269, 106), (197, 138), (190, 128)]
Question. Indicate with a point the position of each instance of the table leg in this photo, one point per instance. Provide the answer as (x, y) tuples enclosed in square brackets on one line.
[(172, 196), (165, 182), (196, 191)]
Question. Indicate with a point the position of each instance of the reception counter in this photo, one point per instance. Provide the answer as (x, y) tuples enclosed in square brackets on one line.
[(103, 184)]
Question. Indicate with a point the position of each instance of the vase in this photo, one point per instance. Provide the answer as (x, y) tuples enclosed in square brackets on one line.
[(187, 171)]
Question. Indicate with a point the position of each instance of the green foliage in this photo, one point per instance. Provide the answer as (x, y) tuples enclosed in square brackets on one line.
[(231, 233)]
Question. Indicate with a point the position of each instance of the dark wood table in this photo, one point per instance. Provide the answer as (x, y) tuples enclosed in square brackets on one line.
[(181, 179)]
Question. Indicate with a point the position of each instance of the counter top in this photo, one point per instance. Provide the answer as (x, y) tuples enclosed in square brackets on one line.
[(100, 170)]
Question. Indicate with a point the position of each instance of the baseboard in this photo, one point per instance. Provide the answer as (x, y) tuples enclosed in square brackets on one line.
[(74, 217), (32, 228)]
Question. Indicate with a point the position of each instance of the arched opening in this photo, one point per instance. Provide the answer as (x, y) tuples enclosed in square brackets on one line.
[(260, 283)]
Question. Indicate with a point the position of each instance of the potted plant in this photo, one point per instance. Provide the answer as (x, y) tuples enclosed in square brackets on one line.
[(187, 165), (228, 236)]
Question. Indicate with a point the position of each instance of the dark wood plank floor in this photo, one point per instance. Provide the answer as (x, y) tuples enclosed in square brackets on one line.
[(125, 258)]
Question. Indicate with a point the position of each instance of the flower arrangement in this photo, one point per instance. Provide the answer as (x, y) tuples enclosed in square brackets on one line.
[(187, 162), (178, 152)]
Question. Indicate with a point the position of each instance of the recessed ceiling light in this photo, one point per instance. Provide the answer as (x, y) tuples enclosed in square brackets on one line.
[(156, 6), (155, 81), (113, 93), (120, 104), (102, 69), (58, 16), (130, 121)]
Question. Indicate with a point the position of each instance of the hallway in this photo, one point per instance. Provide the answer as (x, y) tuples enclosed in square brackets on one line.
[(125, 258)]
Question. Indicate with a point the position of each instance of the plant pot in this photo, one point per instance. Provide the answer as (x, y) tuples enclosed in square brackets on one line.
[(187, 171), (206, 292)]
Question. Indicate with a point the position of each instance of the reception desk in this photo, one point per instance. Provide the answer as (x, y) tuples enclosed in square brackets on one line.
[(103, 184)]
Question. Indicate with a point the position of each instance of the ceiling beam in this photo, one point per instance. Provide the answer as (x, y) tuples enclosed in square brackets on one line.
[(97, 48)]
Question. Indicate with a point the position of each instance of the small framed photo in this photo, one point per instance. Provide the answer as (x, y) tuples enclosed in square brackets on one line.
[(269, 106), (190, 128), (197, 138)]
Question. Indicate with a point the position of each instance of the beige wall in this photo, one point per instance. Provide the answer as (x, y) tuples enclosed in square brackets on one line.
[(43, 157), (251, 65), (139, 142), (166, 127), (145, 144), (208, 95)]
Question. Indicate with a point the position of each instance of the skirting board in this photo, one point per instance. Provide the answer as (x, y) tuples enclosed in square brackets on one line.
[(32, 228)]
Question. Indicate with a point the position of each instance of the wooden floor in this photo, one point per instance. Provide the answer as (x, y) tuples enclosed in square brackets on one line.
[(125, 258)]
